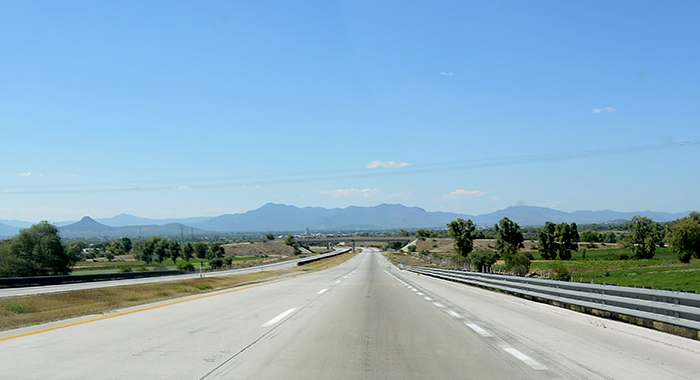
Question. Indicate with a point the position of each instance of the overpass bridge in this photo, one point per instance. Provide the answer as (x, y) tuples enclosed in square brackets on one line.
[(355, 240)]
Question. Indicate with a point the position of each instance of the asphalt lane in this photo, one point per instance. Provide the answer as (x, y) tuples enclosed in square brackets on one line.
[(363, 319)]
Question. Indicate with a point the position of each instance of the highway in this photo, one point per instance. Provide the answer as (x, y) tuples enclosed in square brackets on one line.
[(362, 320), (33, 290)]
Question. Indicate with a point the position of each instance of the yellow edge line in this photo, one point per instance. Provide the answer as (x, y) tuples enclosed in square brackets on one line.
[(149, 308)]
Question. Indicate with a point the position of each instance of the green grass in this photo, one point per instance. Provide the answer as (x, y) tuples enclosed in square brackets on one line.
[(684, 278), (664, 271)]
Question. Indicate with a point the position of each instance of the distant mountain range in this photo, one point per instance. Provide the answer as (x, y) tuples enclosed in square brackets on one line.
[(279, 217)]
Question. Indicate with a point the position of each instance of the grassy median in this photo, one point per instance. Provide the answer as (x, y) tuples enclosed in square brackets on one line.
[(18, 312)]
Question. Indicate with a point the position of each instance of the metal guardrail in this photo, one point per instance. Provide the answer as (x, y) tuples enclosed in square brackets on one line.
[(14, 282), (321, 257), (673, 308)]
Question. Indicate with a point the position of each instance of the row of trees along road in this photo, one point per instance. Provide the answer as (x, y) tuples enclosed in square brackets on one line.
[(160, 249), (509, 241), (39, 251)]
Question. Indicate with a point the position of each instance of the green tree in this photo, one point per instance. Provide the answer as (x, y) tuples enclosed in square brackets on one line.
[(126, 242), (217, 250), (116, 248), (609, 237), (270, 237), (461, 231), (509, 240), (38, 251), (200, 249), (403, 232), (290, 241), (591, 237), (187, 251), (684, 237), (567, 236), (643, 236), (548, 246), (75, 248), (161, 250), (174, 250)]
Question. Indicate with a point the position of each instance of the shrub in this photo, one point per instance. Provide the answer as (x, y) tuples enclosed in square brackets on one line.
[(185, 266), (623, 256), (216, 263), (480, 259), (125, 269), (561, 273), (228, 261)]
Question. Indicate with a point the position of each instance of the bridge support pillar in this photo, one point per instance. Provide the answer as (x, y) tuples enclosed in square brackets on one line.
[(353, 246)]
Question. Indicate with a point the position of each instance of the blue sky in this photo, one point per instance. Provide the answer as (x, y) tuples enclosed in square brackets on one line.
[(175, 109)]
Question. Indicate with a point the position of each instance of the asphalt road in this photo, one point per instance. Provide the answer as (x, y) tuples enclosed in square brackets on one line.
[(33, 290), (362, 320)]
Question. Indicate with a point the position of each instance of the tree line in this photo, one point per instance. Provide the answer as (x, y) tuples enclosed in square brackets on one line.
[(558, 241), (39, 251)]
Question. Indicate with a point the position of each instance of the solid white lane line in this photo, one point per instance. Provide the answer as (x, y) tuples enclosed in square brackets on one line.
[(278, 318), (322, 291), (428, 298), (454, 314), (525, 359), (439, 305), (478, 330), (337, 282)]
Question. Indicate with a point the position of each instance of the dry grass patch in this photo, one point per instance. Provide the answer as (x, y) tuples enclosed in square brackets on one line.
[(18, 312)]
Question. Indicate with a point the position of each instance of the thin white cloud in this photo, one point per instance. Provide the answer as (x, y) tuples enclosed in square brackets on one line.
[(182, 188), (461, 194), (376, 164), (73, 176), (495, 198), (446, 74), (549, 204), (606, 109), (353, 193), (41, 175), (27, 174)]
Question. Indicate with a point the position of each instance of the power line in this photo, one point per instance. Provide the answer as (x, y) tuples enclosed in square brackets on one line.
[(325, 175)]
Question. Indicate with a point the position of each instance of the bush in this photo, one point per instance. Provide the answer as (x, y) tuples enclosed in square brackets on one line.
[(412, 248), (520, 263), (623, 256), (228, 261), (142, 269), (561, 273), (125, 269), (185, 266), (480, 259), (216, 263)]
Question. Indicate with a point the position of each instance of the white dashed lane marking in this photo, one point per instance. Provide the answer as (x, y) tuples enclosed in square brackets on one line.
[(278, 318), (478, 330), (322, 291), (525, 359)]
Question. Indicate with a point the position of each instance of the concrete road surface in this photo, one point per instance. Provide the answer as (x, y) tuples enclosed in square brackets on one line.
[(362, 320)]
